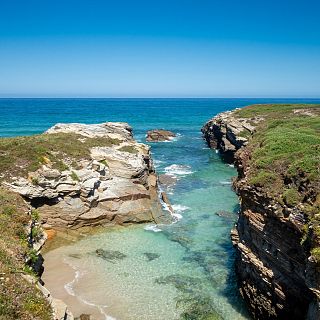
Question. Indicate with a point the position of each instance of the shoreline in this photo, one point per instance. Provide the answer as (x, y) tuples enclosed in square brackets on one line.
[(59, 269), (78, 282)]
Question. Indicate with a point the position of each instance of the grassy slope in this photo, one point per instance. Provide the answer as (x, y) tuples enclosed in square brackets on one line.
[(18, 298), (20, 155), (285, 157)]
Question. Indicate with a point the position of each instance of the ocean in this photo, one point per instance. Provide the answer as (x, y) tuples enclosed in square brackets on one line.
[(178, 271)]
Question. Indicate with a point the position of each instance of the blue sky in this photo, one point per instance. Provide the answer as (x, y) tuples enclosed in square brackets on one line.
[(177, 48)]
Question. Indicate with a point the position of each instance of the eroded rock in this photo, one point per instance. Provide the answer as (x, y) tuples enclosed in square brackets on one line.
[(158, 135), (227, 133), (115, 185)]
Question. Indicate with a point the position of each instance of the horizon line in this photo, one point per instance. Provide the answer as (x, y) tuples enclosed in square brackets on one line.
[(75, 97)]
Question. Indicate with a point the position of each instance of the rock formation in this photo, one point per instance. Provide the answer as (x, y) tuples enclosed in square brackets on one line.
[(115, 184), (278, 276), (158, 135), (227, 134)]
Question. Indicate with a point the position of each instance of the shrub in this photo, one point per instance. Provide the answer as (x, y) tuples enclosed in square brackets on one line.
[(74, 176), (35, 233), (315, 252), (35, 215), (130, 149), (263, 178), (291, 197)]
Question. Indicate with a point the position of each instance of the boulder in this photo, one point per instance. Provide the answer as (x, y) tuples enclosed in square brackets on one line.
[(158, 135)]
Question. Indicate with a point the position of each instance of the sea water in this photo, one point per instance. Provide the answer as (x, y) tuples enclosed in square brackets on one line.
[(159, 272)]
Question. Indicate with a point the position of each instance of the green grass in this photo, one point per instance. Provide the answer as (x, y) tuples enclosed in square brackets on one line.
[(286, 150), (284, 159), (292, 197), (18, 298), (286, 146), (130, 149), (104, 162), (20, 155), (272, 110), (74, 176)]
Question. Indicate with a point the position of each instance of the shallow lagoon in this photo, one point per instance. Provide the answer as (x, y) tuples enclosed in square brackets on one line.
[(183, 270)]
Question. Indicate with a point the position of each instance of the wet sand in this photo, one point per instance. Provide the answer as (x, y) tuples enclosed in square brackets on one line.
[(56, 275)]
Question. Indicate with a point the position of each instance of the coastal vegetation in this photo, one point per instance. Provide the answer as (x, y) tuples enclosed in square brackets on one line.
[(18, 298), (130, 149), (20, 155), (285, 158)]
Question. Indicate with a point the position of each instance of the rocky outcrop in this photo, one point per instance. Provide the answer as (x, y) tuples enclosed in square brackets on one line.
[(158, 135), (277, 276), (115, 185), (227, 134)]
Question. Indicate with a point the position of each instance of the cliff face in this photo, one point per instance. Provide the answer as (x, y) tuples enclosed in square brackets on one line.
[(88, 175), (227, 134), (278, 276)]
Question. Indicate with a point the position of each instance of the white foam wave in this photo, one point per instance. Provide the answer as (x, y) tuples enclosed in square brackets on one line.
[(231, 165), (177, 169), (177, 216), (179, 207), (69, 288), (176, 138), (77, 275), (153, 228), (99, 307), (157, 163), (225, 183)]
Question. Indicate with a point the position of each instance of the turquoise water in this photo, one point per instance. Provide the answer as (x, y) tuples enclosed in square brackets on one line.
[(183, 270)]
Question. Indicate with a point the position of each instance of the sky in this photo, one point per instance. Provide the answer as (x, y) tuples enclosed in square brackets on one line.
[(160, 48)]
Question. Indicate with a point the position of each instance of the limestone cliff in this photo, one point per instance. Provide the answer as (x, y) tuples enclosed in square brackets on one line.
[(277, 233), (89, 175)]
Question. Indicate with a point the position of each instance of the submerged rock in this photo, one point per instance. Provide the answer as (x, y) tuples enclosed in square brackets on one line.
[(196, 305), (167, 180), (225, 214), (199, 308), (151, 256), (183, 283), (110, 255), (158, 135)]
